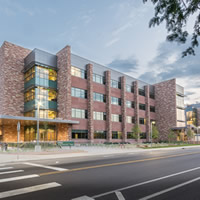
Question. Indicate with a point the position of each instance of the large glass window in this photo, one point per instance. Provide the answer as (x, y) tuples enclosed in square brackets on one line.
[(99, 97), (191, 117), (115, 84), (29, 74), (29, 95), (180, 101), (76, 92), (78, 72), (116, 135), (142, 106), (79, 134), (79, 113), (116, 118), (46, 114), (100, 134), (99, 115), (115, 101), (129, 119), (152, 95), (180, 114), (98, 79)]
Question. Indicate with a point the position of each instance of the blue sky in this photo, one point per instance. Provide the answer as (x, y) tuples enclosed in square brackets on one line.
[(114, 33)]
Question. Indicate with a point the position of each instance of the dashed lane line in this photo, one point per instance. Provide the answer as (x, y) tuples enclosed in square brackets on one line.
[(21, 191), (11, 172), (4, 168), (119, 195), (18, 178), (45, 166)]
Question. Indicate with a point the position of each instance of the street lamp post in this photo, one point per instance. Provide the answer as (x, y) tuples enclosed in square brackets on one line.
[(152, 122)]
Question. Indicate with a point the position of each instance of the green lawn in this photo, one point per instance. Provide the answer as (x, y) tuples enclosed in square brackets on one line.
[(168, 145)]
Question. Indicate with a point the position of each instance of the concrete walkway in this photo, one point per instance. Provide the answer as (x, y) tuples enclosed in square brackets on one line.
[(8, 157)]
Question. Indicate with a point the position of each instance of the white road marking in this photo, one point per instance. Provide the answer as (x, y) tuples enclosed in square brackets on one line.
[(108, 156), (146, 182), (28, 190), (119, 195), (83, 198), (2, 165), (45, 166), (169, 189), (3, 168), (18, 178), (11, 172)]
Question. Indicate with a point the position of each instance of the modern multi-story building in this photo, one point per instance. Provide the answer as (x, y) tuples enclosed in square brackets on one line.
[(79, 99), (192, 113)]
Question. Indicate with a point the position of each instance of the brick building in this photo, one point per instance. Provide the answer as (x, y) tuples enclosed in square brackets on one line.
[(80, 99)]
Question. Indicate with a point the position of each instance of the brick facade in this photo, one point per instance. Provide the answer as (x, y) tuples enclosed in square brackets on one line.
[(12, 79), (90, 102), (147, 103), (136, 101), (123, 107), (165, 101), (64, 83), (108, 106)]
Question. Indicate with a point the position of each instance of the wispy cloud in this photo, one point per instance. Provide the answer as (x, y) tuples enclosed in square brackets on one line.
[(112, 41)]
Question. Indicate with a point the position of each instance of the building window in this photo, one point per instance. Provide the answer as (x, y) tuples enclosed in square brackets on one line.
[(142, 106), (78, 72), (29, 95), (152, 109), (98, 79), (99, 97), (79, 134), (129, 104), (143, 135), (116, 135), (76, 92), (152, 95), (100, 134), (129, 88), (79, 113), (129, 119), (99, 115), (116, 118), (142, 92), (142, 121), (30, 74), (116, 101), (180, 101), (115, 84), (45, 114), (130, 135)]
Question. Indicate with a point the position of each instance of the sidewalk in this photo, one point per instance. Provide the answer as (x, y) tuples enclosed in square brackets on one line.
[(7, 157)]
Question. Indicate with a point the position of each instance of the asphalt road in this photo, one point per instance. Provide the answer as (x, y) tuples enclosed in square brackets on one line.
[(150, 175)]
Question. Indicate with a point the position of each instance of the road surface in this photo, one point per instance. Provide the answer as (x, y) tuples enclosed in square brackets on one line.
[(171, 174)]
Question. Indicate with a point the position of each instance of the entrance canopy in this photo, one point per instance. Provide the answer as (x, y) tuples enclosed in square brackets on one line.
[(10, 120)]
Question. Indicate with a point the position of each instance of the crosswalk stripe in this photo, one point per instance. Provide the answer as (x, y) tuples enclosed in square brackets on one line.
[(45, 166), (119, 195), (3, 168), (28, 190), (11, 172), (18, 178)]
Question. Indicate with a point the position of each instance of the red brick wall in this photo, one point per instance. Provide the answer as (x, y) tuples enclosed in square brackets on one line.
[(165, 101), (12, 79)]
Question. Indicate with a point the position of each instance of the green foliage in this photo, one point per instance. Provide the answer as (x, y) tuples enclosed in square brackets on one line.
[(175, 14), (155, 133), (136, 132), (190, 134), (171, 136)]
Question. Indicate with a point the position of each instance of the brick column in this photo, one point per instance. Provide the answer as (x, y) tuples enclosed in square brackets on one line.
[(64, 83), (123, 106), (136, 100), (108, 106), (90, 102), (147, 102)]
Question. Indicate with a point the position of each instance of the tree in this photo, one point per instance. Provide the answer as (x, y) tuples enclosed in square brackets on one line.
[(136, 132), (155, 133), (190, 134), (171, 136), (176, 14)]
